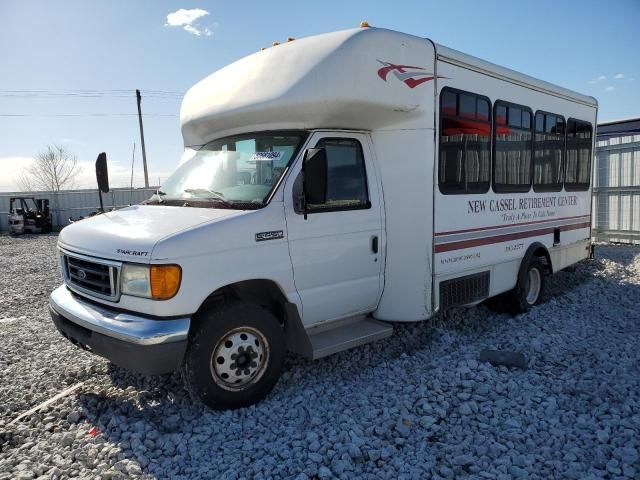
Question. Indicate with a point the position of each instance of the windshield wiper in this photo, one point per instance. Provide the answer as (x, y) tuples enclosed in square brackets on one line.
[(216, 195)]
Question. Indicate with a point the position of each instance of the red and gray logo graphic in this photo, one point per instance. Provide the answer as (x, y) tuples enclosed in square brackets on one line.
[(410, 75)]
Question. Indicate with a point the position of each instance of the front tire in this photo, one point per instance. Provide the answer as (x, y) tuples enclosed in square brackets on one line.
[(235, 356)]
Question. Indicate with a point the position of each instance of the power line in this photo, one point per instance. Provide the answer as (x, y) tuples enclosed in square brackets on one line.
[(86, 115), (175, 92), (98, 94), (160, 94)]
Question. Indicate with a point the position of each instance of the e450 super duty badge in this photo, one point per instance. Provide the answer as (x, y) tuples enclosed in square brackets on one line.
[(273, 235)]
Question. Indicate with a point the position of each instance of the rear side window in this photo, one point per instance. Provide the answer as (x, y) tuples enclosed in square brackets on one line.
[(578, 168), (465, 143), (548, 150), (346, 176), (513, 147)]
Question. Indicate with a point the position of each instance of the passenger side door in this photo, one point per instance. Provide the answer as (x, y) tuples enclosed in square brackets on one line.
[(337, 252)]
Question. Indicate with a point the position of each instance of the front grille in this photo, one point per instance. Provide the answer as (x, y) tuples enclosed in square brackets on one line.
[(464, 290), (91, 276)]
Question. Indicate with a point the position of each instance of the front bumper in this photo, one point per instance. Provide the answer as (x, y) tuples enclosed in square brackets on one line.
[(141, 344)]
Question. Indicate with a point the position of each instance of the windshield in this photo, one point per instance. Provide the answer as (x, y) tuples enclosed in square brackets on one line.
[(237, 171)]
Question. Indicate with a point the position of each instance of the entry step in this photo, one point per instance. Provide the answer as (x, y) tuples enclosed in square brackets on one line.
[(346, 334)]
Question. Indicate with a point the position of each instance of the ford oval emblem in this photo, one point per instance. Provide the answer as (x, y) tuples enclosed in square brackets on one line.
[(82, 275)]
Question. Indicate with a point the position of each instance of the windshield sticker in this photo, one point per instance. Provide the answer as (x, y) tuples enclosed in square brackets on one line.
[(266, 156)]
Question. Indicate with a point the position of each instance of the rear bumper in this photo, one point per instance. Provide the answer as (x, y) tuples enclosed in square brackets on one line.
[(141, 344)]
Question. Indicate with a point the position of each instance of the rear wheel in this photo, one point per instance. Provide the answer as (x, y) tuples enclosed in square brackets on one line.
[(527, 292), (235, 356), (530, 287)]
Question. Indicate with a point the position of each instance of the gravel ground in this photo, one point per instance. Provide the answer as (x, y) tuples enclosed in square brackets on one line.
[(418, 405)]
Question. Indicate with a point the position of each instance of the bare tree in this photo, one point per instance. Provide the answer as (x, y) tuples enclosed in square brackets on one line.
[(53, 170)]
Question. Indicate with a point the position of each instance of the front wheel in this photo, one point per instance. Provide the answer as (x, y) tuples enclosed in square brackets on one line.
[(235, 356)]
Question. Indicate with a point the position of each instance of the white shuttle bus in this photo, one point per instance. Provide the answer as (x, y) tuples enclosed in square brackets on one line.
[(329, 187)]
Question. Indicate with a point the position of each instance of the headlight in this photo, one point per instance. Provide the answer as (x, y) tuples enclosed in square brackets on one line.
[(159, 282)]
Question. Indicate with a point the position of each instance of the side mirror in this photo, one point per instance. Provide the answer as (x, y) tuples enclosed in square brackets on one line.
[(102, 174), (314, 177)]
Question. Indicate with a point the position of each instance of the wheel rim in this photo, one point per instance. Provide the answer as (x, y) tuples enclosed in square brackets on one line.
[(240, 358), (534, 282)]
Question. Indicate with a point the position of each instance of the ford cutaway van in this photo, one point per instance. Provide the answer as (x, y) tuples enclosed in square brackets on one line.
[(329, 187)]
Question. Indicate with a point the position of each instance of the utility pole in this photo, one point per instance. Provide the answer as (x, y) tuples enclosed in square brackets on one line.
[(144, 152), (133, 159)]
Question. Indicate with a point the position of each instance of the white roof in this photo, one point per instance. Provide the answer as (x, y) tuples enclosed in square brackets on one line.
[(455, 57), (325, 81)]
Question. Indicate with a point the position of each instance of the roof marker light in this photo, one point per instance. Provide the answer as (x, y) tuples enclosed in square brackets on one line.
[(290, 39), (275, 44), (364, 24)]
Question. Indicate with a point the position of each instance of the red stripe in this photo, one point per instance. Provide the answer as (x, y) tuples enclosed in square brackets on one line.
[(476, 242), (511, 225)]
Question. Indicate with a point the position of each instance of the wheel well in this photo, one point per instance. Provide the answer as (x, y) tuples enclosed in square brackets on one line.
[(263, 292), (544, 256), (267, 294), (540, 251)]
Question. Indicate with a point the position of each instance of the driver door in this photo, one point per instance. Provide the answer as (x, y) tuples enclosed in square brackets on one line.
[(338, 251)]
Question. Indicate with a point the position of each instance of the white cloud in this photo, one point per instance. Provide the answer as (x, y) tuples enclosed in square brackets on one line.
[(610, 88), (619, 76), (598, 79), (186, 18)]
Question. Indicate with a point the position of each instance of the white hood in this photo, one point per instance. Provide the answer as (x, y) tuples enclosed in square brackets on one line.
[(131, 233)]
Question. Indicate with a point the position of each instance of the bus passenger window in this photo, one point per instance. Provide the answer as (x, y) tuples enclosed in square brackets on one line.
[(548, 147), (464, 162), (578, 168), (512, 159)]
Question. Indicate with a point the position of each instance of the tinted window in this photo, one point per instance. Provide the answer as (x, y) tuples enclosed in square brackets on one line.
[(501, 115), (483, 110), (346, 176), (548, 148), (464, 162), (578, 168), (513, 146), (515, 117), (467, 106), (550, 124), (449, 103)]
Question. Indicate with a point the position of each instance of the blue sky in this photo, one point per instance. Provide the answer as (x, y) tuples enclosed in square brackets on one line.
[(59, 48)]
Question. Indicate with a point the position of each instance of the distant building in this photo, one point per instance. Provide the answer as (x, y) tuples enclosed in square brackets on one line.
[(616, 201)]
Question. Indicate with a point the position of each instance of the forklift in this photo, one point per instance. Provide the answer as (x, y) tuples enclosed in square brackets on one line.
[(29, 215)]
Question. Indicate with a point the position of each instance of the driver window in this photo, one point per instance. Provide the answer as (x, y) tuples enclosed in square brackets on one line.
[(346, 176)]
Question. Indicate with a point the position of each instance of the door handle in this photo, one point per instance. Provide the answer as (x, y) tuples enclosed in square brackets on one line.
[(374, 244)]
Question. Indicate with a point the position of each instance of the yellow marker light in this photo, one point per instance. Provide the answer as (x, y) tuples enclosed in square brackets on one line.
[(364, 24), (290, 39), (165, 281), (275, 44)]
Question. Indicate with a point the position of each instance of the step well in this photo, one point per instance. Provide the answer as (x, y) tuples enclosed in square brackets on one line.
[(345, 334)]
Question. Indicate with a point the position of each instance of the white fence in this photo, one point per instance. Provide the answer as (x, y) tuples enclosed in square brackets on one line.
[(616, 193), (76, 203)]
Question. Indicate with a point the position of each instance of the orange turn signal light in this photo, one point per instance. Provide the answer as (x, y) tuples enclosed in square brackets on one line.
[(165, 281)]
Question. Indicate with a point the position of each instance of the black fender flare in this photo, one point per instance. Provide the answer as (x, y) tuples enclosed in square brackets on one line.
[(534, 250)]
